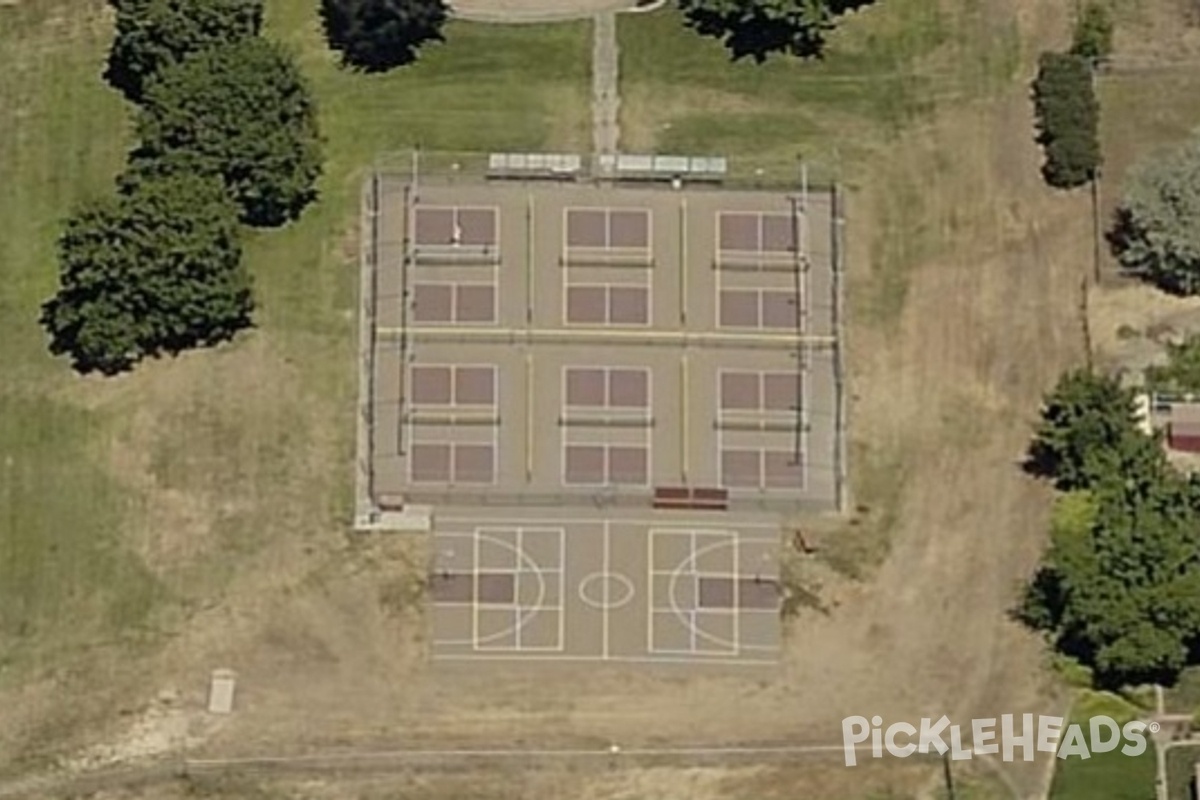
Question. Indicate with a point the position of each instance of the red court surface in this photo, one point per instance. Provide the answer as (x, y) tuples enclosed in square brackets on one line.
[(632, 339)]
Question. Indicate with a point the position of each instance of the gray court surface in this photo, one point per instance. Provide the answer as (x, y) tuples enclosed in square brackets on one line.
[(605, 587), (549, 344)]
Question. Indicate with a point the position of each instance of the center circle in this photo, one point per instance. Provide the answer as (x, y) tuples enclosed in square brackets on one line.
[(605, 590)]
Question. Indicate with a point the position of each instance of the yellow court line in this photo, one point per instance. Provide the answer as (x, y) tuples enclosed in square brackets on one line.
[(683, 261), (684, 390), (529, 257), (528, 417)]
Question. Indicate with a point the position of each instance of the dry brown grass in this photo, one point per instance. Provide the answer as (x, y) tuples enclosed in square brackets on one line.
[(964, 273), (914, 780)]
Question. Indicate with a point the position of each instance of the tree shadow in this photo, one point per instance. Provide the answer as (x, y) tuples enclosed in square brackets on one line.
[(108, 350), (1120, 233), (374, 39)]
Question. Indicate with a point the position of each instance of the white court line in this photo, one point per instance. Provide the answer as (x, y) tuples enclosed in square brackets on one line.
[(727, 649), (522, 615), (720, 455), (648, 279), (604, 652), (435, 322), (648, 213), (737, 586), (565, 213), (453, 368), (643, 414), (806, 273), (495, 213), (562, 589), (695, 594), (475, 595), (684, 658), (455, 322), (497, 289), (681, 569), (517, 585), (679, 526), (717, 283), (647, 439), (564, 272), (699, 655), (562, 429), (717, 227), (530, 244), (650, 591)]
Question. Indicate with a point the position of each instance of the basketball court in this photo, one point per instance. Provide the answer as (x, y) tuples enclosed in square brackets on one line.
[(605, 589)]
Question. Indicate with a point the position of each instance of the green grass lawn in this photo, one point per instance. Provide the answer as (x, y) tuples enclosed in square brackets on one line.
[(249, 444), (1111, 776), (63, 574), (885, 68)]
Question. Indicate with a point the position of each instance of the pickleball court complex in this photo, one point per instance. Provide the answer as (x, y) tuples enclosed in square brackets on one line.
[(605, 399)]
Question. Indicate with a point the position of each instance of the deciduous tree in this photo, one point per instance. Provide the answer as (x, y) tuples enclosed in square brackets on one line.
[(758, 28), (155, 268), (1120, 586), (1157, 231), (152, 34), (242, 112), (377, 35), (1093, 36), (1089, 434)]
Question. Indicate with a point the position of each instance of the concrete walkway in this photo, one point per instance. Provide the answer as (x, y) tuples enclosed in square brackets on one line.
[(518, 11), (606, 99)]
